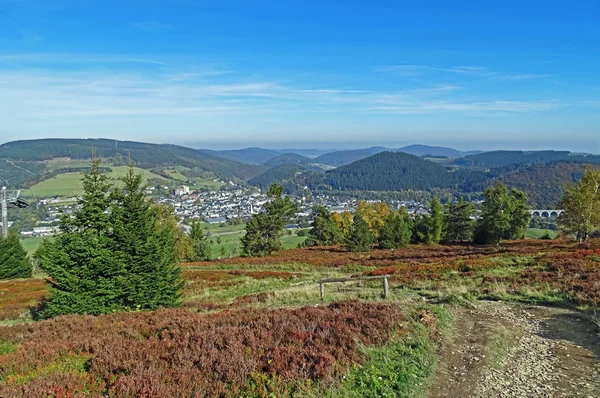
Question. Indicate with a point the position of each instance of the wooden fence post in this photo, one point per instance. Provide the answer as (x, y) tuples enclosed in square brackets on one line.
[(386, 288), (322, 291)]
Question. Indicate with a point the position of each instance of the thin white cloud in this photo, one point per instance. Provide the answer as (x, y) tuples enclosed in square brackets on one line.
[(469, 107), (477, 71), (85, 96)]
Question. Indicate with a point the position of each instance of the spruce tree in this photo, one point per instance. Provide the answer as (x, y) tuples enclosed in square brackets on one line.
[(458, 221), (359, 237), (13, 258), (264, 231), (429, 228), (86, 273), (153, 277), (200, 246), (325, 231), (396, 231), (114, 253)]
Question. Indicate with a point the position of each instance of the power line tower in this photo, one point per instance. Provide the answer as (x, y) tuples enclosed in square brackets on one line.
[(9, 199)]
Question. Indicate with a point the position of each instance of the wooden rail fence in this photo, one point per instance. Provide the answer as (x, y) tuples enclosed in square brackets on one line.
[(386, 287)]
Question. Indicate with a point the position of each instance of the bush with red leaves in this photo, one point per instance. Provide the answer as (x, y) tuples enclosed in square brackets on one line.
[(177, 353)]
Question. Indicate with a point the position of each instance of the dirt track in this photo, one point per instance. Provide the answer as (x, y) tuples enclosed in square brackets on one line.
[(502, 350)]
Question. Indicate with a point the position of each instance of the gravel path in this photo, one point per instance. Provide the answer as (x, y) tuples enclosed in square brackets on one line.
[(552, 353)]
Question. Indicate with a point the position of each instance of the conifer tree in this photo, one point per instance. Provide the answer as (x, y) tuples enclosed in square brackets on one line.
[(86, 273), (429, 228), (153, 278), (359, 237), (396, 231), (325, 231), (113, 254), (264, 231), (200, 246), (458, 221), (13, 258)]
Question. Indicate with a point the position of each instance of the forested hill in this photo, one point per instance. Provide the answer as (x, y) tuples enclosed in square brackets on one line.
[(505, 158), (277, 174), (342, 158), (544, 183), (142, 154), (288, 158), (394, 171), (247, 155), (426, 150)]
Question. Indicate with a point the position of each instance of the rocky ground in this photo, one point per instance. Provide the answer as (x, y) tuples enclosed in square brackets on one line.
[(502, 350)]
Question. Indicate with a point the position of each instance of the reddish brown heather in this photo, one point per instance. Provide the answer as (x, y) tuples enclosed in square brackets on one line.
[(577, 274), (16, 297), (338, 257), (178, 353)]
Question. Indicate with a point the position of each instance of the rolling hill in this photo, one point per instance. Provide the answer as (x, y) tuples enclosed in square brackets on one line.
[(424, 150), (277, 174), (25, 154), (395, 171), (342, 158), (288, 158), (247, 155), (504, 158), (544, 183)]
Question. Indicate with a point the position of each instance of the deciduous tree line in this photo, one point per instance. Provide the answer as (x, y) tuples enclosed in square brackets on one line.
[(581, 204), (503, 215)]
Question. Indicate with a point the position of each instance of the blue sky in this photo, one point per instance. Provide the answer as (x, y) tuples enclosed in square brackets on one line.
[(336, 74)]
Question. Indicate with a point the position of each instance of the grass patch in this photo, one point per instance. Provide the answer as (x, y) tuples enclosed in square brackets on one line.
[(6, 347), (72, 364), (400, 368), (538, 233), (69, 184)]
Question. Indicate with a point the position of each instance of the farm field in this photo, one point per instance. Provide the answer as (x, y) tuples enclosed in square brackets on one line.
[(31, 244), (69, 184), (537, 233), (257, 327)]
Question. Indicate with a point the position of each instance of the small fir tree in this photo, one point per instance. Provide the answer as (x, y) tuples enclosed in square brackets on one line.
[(429, 228), (458, 221), (396, 231), (14, 262), (153, 277), (200, 246), (115, 252), (264, 231), (359, 237), (86, 273), (325, 231)]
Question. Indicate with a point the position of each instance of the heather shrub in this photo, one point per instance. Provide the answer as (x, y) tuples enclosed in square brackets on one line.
[(178, 353)]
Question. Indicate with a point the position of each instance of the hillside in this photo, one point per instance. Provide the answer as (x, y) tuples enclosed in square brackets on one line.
[(288, 158), (393, 171), (247, 155), (342, 158), (276, 174), (423, 150), (505, 158), (544, 183), (147, 156)]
